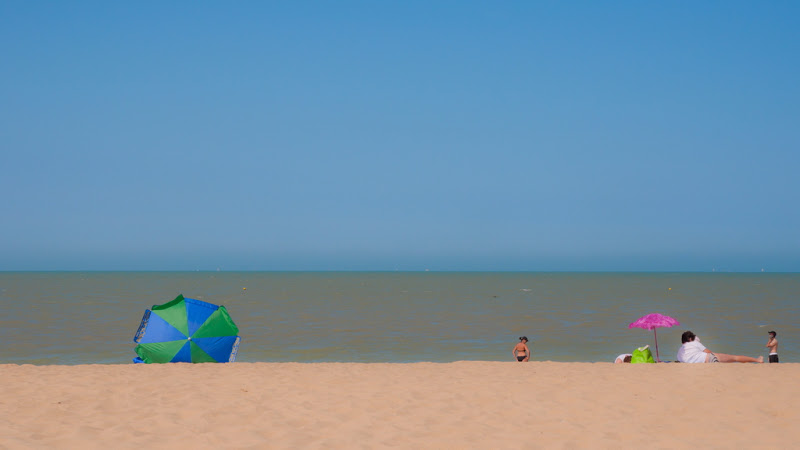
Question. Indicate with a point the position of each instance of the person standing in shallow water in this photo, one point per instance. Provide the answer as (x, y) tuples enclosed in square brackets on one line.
[(772, 345), (521, 351)]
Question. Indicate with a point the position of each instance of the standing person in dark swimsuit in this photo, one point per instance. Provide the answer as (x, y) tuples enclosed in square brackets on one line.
[(772, 345), (521, 351)]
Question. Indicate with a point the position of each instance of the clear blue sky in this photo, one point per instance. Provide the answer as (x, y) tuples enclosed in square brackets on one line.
[(447, 135)]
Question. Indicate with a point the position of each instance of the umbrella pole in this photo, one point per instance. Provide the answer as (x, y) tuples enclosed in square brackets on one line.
[(656, 335)]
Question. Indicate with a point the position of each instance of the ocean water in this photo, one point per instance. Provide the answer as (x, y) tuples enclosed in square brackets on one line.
[(91, 317)]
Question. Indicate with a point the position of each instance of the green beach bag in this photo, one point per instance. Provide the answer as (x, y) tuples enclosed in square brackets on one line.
[(642, 355)]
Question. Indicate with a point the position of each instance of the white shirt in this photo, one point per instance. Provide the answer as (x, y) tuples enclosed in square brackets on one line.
[(622, 357), (692, 352)]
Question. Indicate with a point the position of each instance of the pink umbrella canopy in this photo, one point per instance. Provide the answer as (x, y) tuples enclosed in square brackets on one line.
[(653, 321)]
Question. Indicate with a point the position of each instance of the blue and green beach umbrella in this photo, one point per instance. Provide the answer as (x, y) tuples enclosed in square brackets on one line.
[(186, 330)]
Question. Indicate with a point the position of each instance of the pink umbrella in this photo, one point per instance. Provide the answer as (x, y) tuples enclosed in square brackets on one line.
[(653, 321)]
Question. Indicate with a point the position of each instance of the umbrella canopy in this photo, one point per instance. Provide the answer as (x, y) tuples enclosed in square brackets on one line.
[(186, 330), (653, 321)]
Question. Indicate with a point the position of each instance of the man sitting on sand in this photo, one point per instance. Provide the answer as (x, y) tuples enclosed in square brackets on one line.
[(692, 351)]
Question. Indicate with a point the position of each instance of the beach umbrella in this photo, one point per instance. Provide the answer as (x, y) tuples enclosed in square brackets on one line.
[(186, 330), (653, 321)]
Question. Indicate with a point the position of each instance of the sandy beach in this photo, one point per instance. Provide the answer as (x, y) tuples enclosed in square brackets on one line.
[(420, 405)]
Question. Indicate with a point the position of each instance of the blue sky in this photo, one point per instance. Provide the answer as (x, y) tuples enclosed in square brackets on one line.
[(448, 135)]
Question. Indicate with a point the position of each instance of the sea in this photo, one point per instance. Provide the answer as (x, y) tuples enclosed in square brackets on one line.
[(91, 317)]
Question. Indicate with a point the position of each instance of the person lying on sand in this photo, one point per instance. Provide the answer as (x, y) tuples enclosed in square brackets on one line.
[(692, 351), (623, 358), (521, 351)]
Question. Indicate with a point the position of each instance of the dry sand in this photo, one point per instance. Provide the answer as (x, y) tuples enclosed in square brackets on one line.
[(423, 405)]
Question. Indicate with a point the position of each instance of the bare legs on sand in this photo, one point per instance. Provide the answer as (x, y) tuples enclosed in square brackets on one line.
[(724, 358)]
